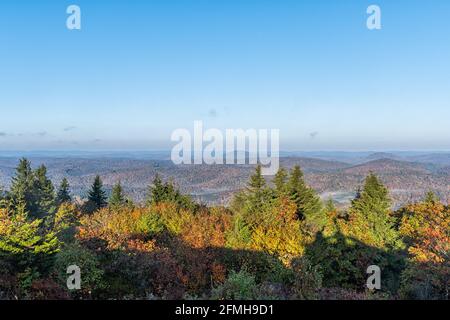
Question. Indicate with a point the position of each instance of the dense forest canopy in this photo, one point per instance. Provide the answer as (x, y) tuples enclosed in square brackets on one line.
[(276, 240)]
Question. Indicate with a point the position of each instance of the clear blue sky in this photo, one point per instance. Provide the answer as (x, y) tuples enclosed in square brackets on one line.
[(137, 70)]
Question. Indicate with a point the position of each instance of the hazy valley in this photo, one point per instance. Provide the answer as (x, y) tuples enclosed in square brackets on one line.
[(332, 174)]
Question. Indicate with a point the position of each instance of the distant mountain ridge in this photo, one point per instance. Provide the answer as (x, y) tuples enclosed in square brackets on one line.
[(382, 155), (407, 180)]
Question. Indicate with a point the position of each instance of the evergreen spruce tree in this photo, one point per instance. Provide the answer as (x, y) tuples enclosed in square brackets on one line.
[(256, 202), (167, 192), (33, 189), (117, 198), (280, 181), (44, 193), (156, 191), (330, 206), (97, 195), (372, 224), (257, 181), (257, 192), (63, 195), (24, 241), (431, 197), (21, 190), (307, 201), (370, 216)]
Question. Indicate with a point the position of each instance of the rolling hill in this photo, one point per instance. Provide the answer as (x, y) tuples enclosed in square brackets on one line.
[(407, 181)]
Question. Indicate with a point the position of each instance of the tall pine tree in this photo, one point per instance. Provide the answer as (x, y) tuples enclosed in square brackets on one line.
[(308, 202), (63, 195), (156, 191), (257, 191), (280, 181), (117, 198), (159, 192), (97, 195), (21, 190), (370, 216), (44, 192), (33, 189), (25, 242)]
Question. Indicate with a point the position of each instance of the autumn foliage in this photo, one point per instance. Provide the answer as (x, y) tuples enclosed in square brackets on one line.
[(276, 240)]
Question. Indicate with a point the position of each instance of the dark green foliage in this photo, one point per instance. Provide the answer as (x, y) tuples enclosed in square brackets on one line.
[(284, 242), (63, 195), (166, 192), (374, 197), (307, 279), (117, 198), (92, 274), (343, 262), (97, 196), (34, 189), (366, 237), (21, 190), (308, 202), (257, 181), (257, 194), (280, 180), (238, 286), (157, 191), (44, 192)]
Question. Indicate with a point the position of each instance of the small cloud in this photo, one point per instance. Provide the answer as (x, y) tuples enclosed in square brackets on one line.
[(42, 133), (3, 134), (313, 134), (212, 113), (70, 128)]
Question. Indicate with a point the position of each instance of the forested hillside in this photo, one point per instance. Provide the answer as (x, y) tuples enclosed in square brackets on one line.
[(276, 240), (216, 185)]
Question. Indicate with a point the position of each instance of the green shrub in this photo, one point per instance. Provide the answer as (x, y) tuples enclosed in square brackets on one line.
[(91, 274), (150, 224), (307, 279), (238, 286)]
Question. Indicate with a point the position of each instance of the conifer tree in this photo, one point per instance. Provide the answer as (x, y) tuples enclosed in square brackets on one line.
[(307, 201), (21, 190), (431, 197), (63, 195), (156, 191), (257, 181), (370, 216), (23, 241), (97, 195), (167, 192), (117, 198), (257, 192), (33, 189), (44, 193), (280, 181)]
